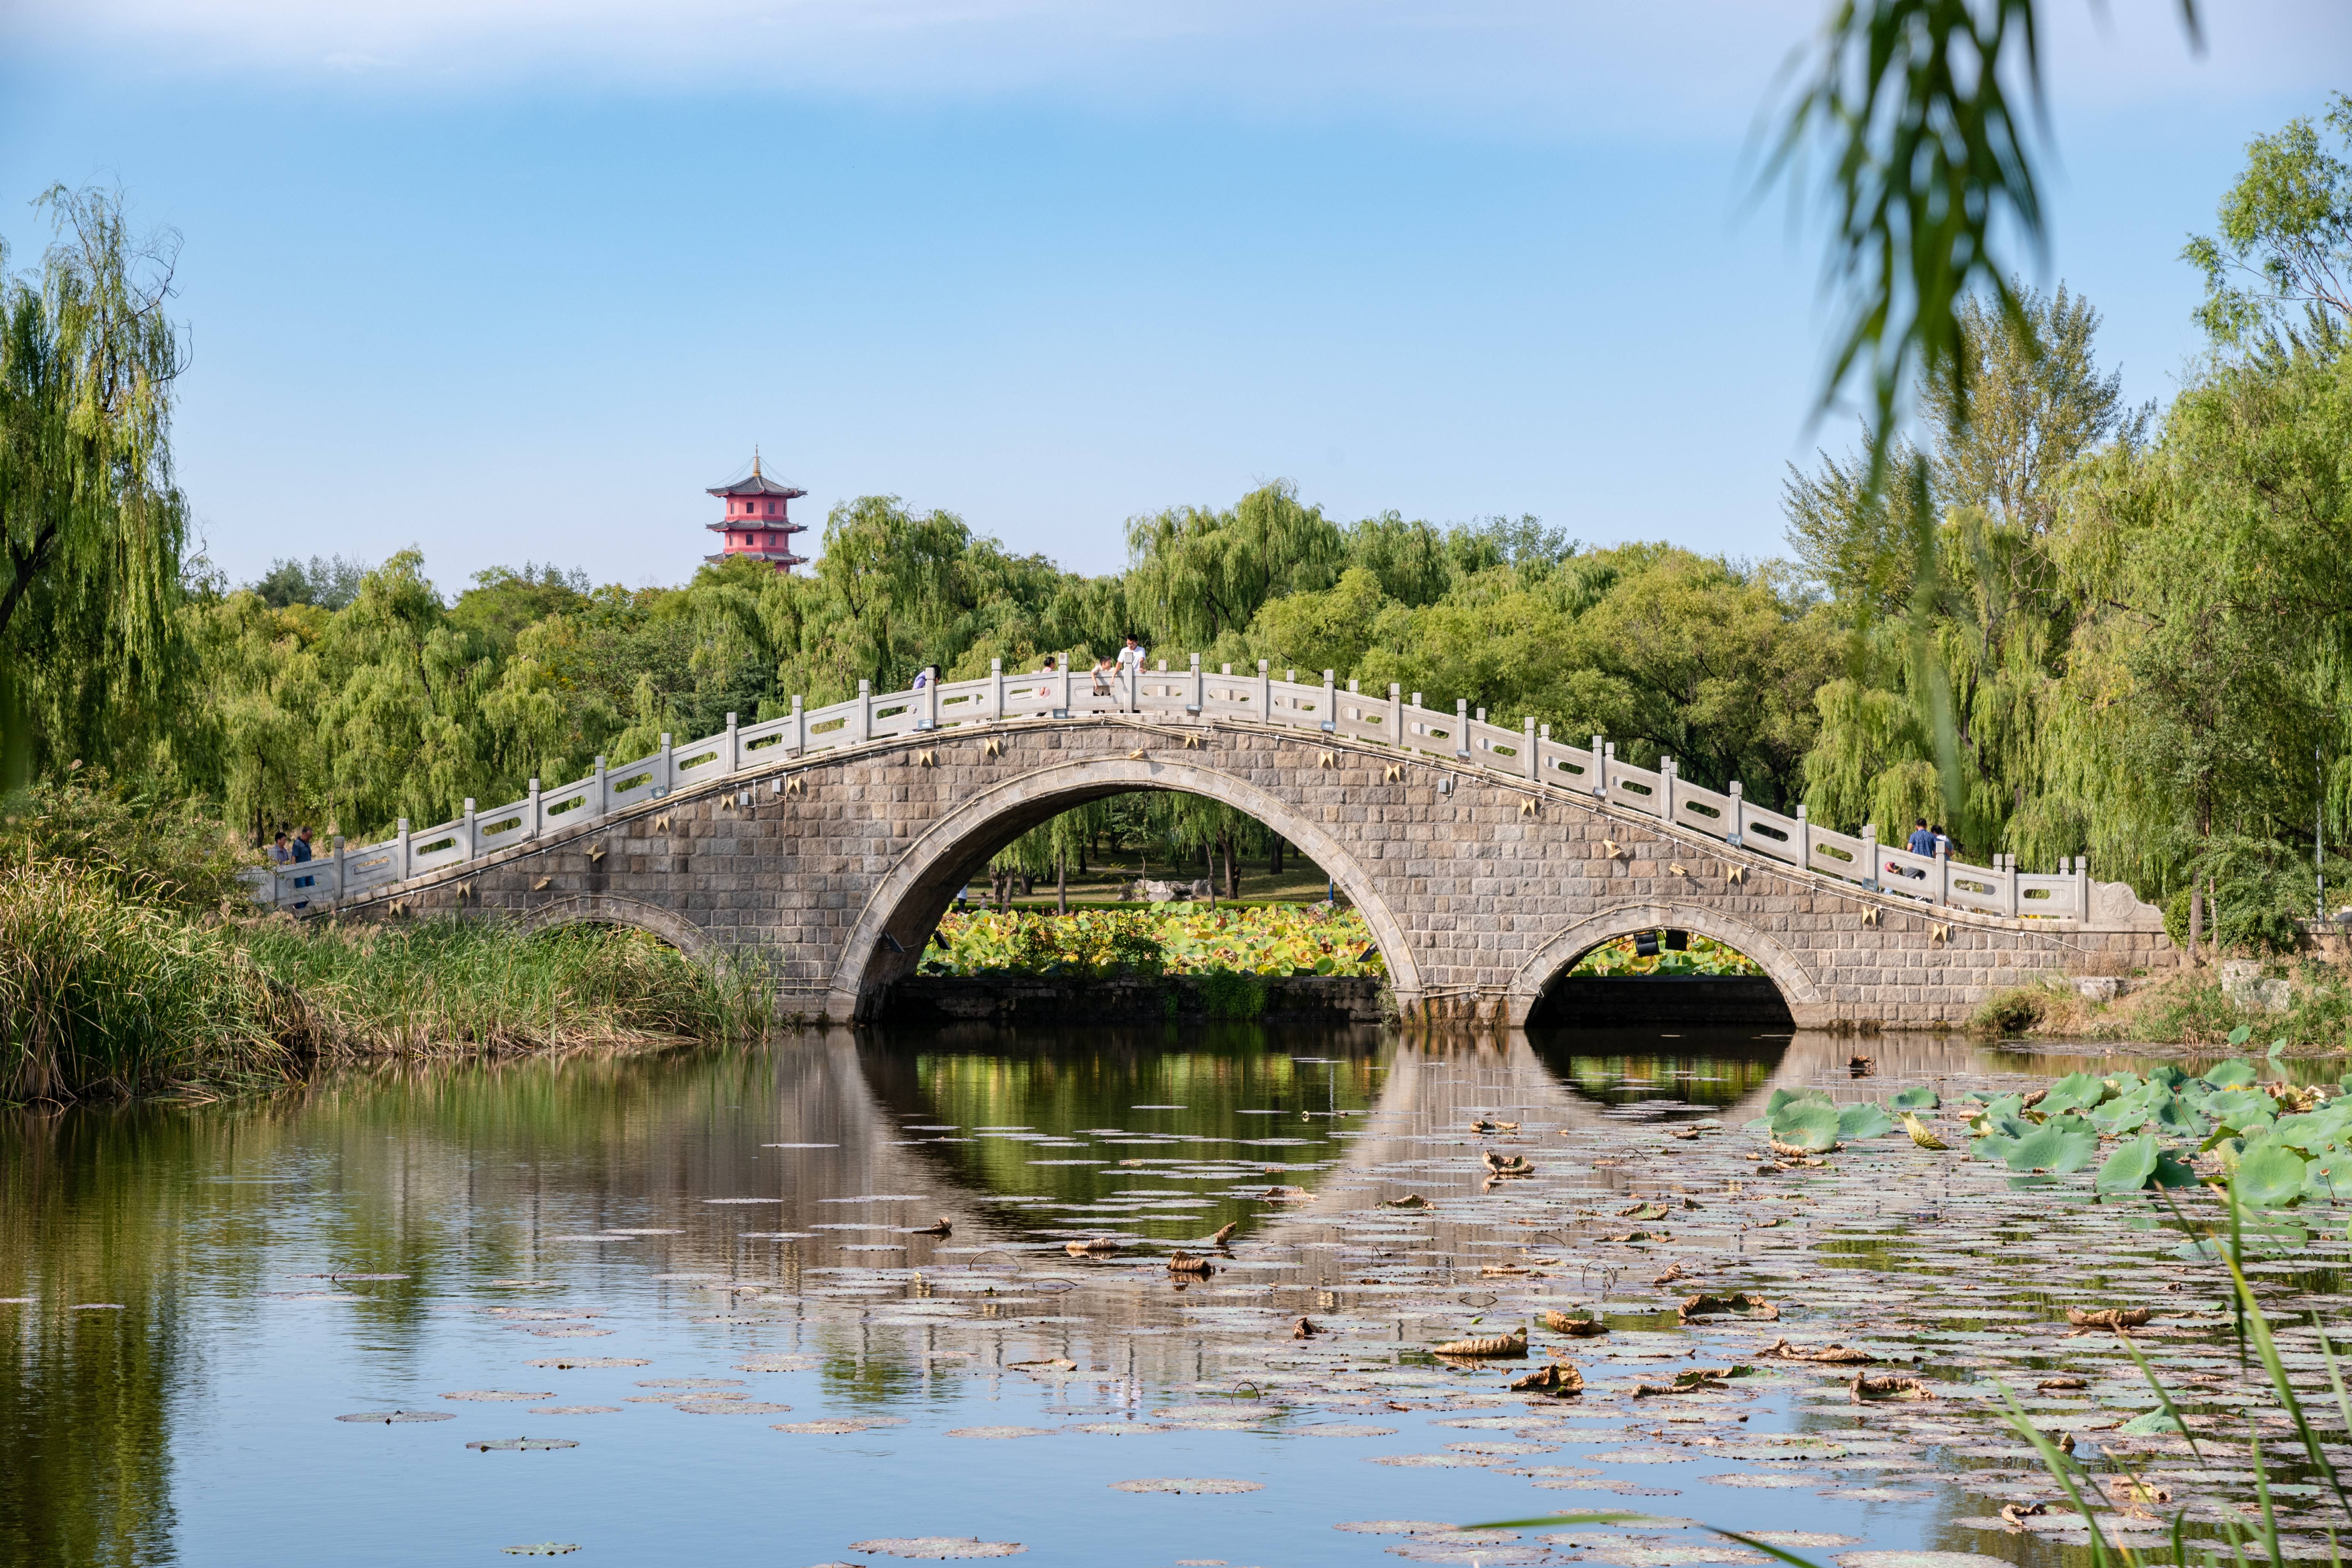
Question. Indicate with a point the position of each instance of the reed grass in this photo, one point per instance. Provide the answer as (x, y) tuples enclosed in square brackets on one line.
[(107, 989), (111, 986), (449, 986)]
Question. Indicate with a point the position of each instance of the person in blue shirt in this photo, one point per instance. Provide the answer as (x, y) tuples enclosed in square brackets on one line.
[(1922, 842)]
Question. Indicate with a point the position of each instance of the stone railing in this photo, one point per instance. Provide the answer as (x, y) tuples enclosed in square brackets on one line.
[(761, 753)]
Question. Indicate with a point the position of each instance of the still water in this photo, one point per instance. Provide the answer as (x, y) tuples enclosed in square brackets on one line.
[(710, 1275)]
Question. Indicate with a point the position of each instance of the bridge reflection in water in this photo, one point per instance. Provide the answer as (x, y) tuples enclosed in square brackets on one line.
[(391, 1210)]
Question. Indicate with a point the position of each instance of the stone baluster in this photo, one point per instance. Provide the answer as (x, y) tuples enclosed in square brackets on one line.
[(1870, 855), (865, 713), (1600, 770), (400, 852), (1462, 728), (341, 859), (1944, 874), (667, 769), (932, 698), (1804, 840), (1396, 714), (1193, 702), (996, 689), (466, 832), (796, 741), (1665, 789), (534, 817), (1264, 692), (1064, 709), (2009, 865), (1417, 708), (1330, 714), (1735, 821), (1527, 748), (601, 800), (2083, 888), (730, 749)]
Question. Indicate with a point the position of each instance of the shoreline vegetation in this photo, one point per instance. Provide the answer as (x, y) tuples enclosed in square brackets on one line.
[(2189, 1008), (129, 966)]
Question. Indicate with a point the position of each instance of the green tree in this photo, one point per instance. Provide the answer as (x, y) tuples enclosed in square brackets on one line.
[(1196, 574), (92, 529), (2281, 266)]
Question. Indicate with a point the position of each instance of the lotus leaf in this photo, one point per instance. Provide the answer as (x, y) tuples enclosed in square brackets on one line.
[(2063, 1143), (1809, 1125), (1177, 939), (1918, 1097), (2243, 1108), (2129, 1168), (2075, 1091), (2236, 1072), (2169, 1076), (2241, 1033), (1784, 1096), (2269, 1175), (2149, 1425), (1864, 1120), (2174, 1115)]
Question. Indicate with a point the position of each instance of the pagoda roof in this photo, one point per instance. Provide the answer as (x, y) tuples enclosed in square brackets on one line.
[(753, 524), (755, 484)]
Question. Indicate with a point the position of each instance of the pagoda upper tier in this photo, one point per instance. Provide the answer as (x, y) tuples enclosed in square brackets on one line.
[(757, 521)]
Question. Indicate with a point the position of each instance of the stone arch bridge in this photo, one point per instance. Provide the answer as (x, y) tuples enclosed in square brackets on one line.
[(827, 844)]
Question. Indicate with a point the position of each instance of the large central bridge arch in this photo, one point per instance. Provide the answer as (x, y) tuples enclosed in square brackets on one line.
[(906, 903)]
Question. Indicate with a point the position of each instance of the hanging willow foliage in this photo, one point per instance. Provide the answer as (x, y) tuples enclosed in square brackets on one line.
[(91, 528)]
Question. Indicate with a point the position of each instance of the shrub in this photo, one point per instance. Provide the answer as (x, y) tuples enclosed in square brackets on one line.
[(2010, 1012)]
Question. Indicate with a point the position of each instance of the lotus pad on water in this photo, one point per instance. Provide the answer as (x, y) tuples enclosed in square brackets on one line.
[(2062, 1143), (1806, 1124)]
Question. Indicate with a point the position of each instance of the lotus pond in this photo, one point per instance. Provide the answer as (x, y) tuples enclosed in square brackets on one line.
[(1176, 1296)]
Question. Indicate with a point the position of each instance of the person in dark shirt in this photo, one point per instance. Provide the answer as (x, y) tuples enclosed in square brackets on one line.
[(1922, 842), (301, 854)]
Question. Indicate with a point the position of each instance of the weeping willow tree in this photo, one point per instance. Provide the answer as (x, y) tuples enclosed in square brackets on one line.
[(1945, 711), (92, 530)]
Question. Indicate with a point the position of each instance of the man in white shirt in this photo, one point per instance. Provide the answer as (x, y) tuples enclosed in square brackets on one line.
[(1131, 664)]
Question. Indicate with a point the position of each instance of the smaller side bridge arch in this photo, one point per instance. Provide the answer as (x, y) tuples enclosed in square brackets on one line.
[(1808, 1005), (613, 910), (906, 904)]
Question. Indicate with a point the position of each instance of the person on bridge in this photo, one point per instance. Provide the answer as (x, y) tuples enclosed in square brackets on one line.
[(1130, 657), (1105, 668), (1923, 843), (302, 853)]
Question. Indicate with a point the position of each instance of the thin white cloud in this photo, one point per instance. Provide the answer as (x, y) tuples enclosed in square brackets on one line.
[(1700, 67)]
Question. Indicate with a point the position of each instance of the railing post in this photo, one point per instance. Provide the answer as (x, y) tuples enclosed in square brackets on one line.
[(400, 851), (468, 817), (996, 689), (1665, 789), (1330, 714), (339, 862), (534, 819), (732, 749), (1065, 708), (1193, 707), (1736, 821), (1418, 709), (799, 732), (1529, 747), (931, 699), (1462, 728), (2010, 865), (1943, 875), (1804, 840), (1396, 714), (865, 713), (1600, 770), (603, 789), (1870, 849), (668, 770), (2083, 888), (1607, 752), (1264, 692)]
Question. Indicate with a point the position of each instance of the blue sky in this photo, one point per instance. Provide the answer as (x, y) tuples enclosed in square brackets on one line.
[(515, 279)]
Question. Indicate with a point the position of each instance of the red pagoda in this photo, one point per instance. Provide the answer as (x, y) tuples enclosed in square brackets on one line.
[(756, 523)]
